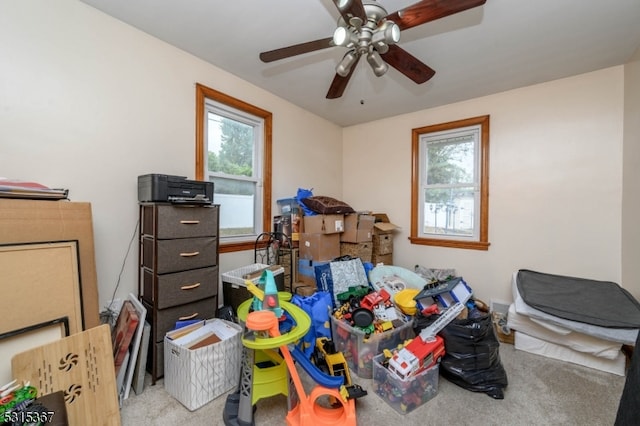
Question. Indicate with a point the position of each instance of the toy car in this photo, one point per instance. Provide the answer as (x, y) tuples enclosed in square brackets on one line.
[(327, 358), (416, 356)]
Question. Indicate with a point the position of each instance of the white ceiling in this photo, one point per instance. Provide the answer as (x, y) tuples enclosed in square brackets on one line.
[(500, 46)]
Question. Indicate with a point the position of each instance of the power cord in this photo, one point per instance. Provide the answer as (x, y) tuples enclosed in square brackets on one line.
[(109, 315)]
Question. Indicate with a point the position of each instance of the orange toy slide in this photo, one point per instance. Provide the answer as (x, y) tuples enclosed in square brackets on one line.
[(308, 412)]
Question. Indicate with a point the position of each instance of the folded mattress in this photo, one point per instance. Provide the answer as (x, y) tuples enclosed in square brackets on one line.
[(602, 303), (531, 344), (574, 340), (625, 336)]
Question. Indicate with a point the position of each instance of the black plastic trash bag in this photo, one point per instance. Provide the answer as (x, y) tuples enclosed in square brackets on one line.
[(472, 359)]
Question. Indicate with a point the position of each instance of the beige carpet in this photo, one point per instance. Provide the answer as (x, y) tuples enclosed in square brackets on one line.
[(541, 391)]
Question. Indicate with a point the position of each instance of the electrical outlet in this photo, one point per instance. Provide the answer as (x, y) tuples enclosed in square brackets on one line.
[(500, 306)]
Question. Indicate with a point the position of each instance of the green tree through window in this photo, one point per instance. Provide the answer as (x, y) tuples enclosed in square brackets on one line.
[(233, 150), (450, 184), (235, 156)]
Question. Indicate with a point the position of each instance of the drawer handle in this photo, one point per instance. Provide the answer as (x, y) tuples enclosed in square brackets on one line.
[(189, 222), (190, 287), (193, 253), (188, 317)]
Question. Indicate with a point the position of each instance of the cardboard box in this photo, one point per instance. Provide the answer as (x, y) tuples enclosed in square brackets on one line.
[(383, 243), (324, 224), (383, 225), (359, 350), (303, 289), (234, 289), (358, 228), (28, 221), (362, 250), (404, 396), (319, 247), (203, 364), (385, 259), (307, 272)]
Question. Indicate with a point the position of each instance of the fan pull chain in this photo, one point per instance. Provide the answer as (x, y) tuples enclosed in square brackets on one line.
[(361, 88)]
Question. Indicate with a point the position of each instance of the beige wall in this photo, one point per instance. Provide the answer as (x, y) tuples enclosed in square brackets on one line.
[(631, 178), (88, 103), (555, 181)]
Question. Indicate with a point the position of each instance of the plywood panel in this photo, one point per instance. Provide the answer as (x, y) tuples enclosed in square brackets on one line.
[(41, 282), (82, 366)]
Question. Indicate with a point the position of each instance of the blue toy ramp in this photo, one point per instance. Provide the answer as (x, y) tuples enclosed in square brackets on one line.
[(314, 372)]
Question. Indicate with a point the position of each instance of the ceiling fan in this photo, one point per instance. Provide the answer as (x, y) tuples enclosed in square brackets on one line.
[(365, 29)]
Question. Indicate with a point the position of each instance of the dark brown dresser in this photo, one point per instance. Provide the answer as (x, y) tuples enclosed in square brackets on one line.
[(178, 275)]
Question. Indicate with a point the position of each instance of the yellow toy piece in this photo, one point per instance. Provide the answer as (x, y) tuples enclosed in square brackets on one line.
[(404, 300)]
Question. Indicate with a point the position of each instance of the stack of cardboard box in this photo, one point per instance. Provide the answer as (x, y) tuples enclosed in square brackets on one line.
[(319, 244), (324, 238), (356, 240), (383, 240)]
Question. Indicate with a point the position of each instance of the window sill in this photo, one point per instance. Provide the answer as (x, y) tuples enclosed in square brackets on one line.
[(471, 245), (237, 246)]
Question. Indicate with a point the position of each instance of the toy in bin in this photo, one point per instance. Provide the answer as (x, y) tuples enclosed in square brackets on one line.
[(445, 293), (365, 323), (426, 349), (404, 396), (408, 377), (328, 359)]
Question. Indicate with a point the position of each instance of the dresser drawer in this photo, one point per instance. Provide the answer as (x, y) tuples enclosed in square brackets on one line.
[(180, 221), (181, 254), (180, 287), (166, 318)]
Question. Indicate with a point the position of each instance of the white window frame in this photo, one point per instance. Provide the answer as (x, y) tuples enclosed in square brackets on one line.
[(477, 129), (467, 134), (210, 100)]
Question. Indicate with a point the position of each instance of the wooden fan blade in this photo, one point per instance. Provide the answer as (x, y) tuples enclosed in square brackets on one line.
[(430, 10), (407, 64), (296, 49), (351, 8), (339, 83)]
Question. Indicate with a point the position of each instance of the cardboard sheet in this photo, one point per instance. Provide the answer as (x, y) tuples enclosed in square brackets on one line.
[(27, 221)]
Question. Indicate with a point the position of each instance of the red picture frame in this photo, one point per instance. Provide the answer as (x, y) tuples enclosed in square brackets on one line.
[(123, 332)]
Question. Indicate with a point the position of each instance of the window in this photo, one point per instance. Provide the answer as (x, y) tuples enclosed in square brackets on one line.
[(450, 184), (233, 150)]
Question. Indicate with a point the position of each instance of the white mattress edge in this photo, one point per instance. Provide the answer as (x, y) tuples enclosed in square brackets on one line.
[(541, 347), (574, 340)]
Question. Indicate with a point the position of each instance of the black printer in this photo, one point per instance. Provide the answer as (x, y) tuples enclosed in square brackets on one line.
[(173, 189)]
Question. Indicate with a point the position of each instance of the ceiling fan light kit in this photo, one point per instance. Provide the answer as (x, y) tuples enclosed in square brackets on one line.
[(344, 37), (377, 64), (347, 62), (365, 28), (387, 34)]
